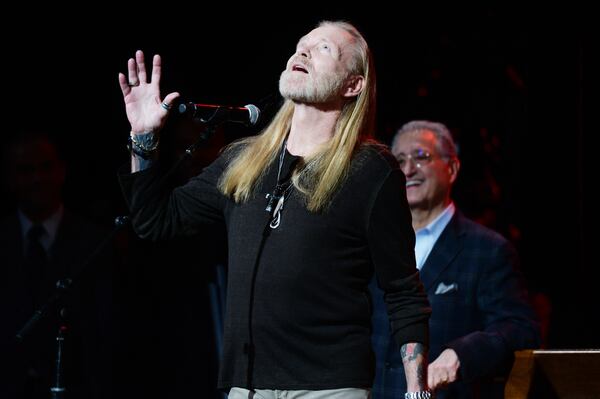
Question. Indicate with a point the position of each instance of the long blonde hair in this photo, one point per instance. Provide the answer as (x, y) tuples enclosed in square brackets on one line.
[(321, 174)]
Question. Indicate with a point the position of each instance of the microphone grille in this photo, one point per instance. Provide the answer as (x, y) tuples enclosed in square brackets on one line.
[(254, 113), (185, 107)]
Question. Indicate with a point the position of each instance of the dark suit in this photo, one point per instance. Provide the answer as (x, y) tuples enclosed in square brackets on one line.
[(26, 369), (480, 310)]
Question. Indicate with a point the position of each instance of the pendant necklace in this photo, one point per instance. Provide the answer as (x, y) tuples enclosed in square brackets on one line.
[(276, 199)]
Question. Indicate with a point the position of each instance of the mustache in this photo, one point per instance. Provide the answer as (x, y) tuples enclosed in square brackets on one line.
[(301, 61)]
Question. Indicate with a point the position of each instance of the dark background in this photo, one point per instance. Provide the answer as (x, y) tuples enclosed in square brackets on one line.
[(514, 86)]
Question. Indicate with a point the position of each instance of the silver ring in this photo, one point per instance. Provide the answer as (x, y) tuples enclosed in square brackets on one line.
[(165, 106), (133, 84)]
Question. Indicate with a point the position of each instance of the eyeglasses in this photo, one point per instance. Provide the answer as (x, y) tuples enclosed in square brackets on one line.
[(419, 157)]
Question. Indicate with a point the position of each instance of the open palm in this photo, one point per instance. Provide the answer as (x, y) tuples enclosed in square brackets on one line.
[(142, 98)]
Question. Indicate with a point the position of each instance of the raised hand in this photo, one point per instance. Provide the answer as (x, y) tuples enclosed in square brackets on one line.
[(145, 110)]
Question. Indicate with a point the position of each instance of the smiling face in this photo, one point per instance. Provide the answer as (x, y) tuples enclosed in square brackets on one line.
[(429, 173), (319, 69)]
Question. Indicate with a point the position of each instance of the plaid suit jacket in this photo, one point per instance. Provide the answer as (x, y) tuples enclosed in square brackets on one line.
[(480, 309)]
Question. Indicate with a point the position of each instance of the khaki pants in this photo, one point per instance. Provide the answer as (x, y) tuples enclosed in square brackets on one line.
[(343, 393)]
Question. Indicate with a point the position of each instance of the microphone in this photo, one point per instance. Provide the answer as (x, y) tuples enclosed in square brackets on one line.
[(248, 114)]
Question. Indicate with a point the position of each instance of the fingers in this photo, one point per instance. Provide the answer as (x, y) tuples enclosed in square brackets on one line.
[(132, 71), (437, 381), (444, 369), (141, 66), (169, 100), (439, 376), (136, 70), (156, 69), (124, 84)]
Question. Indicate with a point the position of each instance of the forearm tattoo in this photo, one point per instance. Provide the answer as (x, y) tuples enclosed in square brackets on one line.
[(413, 357)]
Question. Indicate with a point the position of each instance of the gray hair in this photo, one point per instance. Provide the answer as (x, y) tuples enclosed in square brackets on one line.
[(446, 144)]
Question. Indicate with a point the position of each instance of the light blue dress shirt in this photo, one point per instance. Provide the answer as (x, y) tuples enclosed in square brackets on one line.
[(428, 235)]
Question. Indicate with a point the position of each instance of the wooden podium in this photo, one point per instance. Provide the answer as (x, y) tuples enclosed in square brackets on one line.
[(552, 374)]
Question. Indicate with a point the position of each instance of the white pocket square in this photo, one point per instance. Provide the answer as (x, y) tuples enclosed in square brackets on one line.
[(444, 289)]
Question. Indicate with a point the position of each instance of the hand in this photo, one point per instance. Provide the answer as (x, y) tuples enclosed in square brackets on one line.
[(142, 98), (443, 370)]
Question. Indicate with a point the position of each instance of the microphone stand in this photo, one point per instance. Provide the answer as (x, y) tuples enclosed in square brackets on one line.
[(62, 287), (58, 391)]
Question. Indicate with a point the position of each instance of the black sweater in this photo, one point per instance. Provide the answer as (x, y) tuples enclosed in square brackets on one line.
[(310, 306)]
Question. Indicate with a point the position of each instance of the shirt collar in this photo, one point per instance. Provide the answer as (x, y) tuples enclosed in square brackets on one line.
[(50, 224), (437, 225)]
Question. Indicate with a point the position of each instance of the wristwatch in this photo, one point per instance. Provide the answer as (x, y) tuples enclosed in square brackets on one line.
[(418, 395)]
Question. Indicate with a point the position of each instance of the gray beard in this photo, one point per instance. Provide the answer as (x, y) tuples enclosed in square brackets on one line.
[(321, 89)]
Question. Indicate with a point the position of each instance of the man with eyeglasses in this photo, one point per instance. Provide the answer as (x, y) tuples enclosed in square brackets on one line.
[(480, 309)]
